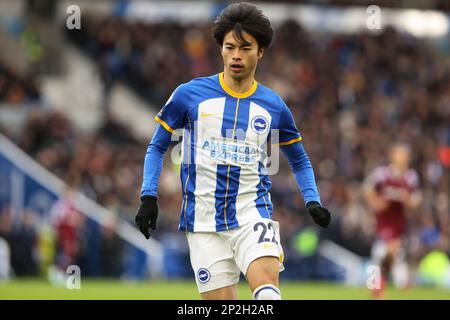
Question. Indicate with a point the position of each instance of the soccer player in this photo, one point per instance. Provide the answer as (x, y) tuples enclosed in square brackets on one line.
[(391, 191), (227, 120)]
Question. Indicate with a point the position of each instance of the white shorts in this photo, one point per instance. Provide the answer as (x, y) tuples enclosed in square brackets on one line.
[(218, 258), (380, 250)]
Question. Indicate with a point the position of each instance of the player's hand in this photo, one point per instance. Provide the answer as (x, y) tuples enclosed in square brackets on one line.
[(320, 215), (147, 215)]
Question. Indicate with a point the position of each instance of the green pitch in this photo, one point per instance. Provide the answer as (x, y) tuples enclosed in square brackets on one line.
[(186, 290)]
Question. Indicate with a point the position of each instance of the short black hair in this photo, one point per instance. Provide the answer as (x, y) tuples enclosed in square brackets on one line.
[(243, 16)]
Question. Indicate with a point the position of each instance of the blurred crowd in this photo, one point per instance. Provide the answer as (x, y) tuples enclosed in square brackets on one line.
[(351, 96), (422, 4), (106, 166)]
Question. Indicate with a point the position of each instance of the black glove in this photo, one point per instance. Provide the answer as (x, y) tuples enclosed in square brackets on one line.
[(320, 215), (147, 215)]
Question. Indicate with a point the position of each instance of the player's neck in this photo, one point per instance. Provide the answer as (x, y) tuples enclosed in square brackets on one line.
[(398, 169), (238, 85)]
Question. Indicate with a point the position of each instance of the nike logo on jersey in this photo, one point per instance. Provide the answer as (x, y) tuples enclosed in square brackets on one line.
[(204, 114)]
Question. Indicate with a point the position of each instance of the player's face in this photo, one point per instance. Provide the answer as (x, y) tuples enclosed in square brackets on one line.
[(240, 59), (400, 156)]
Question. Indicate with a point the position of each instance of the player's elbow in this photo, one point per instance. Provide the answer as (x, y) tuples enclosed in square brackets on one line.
[(297, 158), (415, 201), (155, 149)]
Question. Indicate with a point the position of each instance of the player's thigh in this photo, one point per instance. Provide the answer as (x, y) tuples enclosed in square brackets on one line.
[(225, 293), (379, 251), (258, 251), (264, 270), (213, 263), (394, 246)]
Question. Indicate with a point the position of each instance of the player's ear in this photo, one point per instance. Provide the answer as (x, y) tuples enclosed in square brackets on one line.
[(260, 52)]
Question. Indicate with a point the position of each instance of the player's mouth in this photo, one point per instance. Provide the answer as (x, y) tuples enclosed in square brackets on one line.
[(236, 67)]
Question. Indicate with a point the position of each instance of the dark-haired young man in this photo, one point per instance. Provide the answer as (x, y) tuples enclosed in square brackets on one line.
[(227, 119)]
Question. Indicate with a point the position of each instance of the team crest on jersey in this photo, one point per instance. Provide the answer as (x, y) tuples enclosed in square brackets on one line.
[(203, 275), (260, 124)]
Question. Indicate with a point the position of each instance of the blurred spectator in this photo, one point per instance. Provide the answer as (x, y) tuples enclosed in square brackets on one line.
[(111, 247), (19, 95), (21, 238)]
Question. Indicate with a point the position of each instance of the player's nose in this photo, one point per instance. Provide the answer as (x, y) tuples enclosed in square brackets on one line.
[(236, 56), (237, 60)]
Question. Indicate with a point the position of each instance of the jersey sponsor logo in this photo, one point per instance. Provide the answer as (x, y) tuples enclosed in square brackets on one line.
[(226, 150), (395, 193), (260, 124), (203, 275)]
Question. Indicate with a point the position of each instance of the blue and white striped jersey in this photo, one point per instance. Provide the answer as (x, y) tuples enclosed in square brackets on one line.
[(223, 176)]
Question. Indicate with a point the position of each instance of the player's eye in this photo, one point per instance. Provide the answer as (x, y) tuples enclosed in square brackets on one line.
[(247, 49)]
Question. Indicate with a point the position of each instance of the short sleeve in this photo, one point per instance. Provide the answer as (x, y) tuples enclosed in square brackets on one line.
[(288, 132), (374, 180), (412, 179), (174, 113)]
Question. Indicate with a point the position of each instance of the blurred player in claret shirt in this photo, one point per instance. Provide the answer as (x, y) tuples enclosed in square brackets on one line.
[(392, 191)]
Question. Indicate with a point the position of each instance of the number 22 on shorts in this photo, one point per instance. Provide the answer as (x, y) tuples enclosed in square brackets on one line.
[(261, 226)]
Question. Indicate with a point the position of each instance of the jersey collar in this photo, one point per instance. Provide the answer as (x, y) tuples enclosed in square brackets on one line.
[(234, 93)]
